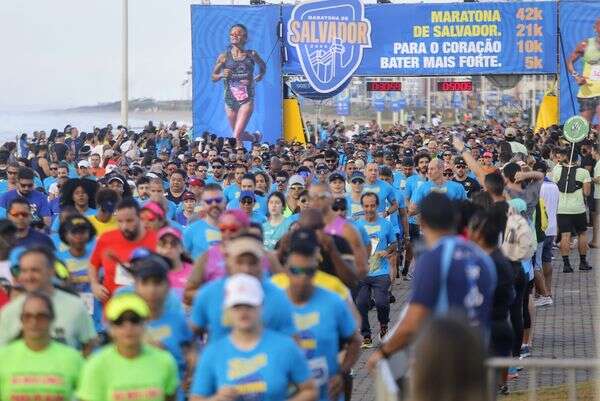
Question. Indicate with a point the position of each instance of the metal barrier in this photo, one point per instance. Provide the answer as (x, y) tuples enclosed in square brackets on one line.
[(386, 388), (533, 365)]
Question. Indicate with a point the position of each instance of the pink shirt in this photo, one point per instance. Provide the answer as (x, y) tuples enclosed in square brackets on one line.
[(178, 278)]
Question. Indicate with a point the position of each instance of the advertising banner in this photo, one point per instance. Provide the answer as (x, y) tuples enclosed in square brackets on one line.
[(419, 39), (342, 103), (378, 101), (579, 59), (236, 71)]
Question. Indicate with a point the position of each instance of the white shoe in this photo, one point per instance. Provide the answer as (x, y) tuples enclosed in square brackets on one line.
[(543, 301)]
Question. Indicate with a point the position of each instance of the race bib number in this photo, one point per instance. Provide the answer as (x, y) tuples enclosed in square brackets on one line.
[(595, 73), (240, 93), (88, 300), (319, 370), (123, 277)]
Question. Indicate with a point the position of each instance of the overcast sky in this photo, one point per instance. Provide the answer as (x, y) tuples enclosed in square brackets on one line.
[(62, 53)]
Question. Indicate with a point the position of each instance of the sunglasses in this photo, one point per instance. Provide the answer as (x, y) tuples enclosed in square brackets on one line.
[(297, 187), (322, 171), (11, 172), (217, 166), (247, 201), (134, 319), (357, 182), (303, 271), (329, 161), (229, 228), (53, 168), (281, 181), (25, 317), (210, 201), (169, 243), (20, 214), (460, 166), (448, 174), (148, 216), (337, 208)]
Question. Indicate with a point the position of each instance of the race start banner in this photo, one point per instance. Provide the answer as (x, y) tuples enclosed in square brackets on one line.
[(240, 91), (579, 59), (327, 39)]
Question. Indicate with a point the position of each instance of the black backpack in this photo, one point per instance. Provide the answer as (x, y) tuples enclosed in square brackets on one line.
[(569, 181)]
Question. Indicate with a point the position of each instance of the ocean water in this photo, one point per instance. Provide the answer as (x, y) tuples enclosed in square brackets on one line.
[(13, 124)]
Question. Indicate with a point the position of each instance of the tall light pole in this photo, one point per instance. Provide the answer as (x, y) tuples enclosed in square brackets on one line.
[(125, 65)]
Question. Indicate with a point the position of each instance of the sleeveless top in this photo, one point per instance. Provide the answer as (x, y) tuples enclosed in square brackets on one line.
[(215, 264), (591, 70), (239, 84), (336, 226)]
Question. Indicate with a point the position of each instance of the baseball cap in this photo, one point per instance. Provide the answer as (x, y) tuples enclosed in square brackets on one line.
[(189, 196), (197, 182), (296, 180), (83, 163), (510, 132), (73, 224), (154, 208), (321, 166), (408, 161), (488, 154), (154, 266), (336, 176), (121, 303), (168, 231), (117, 178), (304, 241), (460, 161), (243, 289), (357, 175), (247, 194), (244, 245)]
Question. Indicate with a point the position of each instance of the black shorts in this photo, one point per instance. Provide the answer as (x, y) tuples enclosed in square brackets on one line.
[(588, 103), (414, 232), (572, 223)]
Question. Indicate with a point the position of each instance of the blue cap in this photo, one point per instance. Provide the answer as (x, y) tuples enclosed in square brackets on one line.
[(357, 174), (247, 194)]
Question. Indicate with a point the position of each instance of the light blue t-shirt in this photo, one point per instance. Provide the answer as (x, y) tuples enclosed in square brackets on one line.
[(231, 192), (452, 189), (399, 180), (208, 313), (381, 235), (56, 223), (264, 373), (260, 205), (354, 210), (321, 323), (199, 236), (48, 181), (272, 234), (384, 191), (412, 183)]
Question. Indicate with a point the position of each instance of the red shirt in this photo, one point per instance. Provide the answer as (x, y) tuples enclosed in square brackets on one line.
[(113, 247)]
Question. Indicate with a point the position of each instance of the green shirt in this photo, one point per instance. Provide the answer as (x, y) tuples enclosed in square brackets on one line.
[(574, 202), (72, 324), (108, 376), (50, 374)]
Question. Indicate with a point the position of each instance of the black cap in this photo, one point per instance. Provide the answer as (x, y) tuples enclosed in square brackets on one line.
[(73, 224), (152, 266), (460, 160), (408, 162), (336, 176), (304, 241)]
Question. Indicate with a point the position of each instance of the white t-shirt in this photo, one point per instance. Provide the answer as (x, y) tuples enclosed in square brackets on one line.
[(550, 194)]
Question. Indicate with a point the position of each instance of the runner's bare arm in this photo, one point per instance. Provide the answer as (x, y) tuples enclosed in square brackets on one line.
[(577, 54), (217, 71), (194, 280), (587, 188), (358, 250), (262, 67)]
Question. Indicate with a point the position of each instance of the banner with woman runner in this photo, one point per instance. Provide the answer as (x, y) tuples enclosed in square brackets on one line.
[(579, 60), (236, 69)]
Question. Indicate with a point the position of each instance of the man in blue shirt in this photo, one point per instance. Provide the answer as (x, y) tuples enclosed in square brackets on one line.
[(19, 212), (232, 191), (378, 280), (436, 183), (244, 255), (385, 192), (452, 275), (218, 171), (201, 234), (248, 204), (37, 200), (248, 184)]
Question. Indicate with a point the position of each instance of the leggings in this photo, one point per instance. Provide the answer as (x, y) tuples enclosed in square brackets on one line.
[(526, 316), (516, 308)]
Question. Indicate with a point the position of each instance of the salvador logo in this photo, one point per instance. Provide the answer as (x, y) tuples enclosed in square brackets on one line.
[(329, 37)]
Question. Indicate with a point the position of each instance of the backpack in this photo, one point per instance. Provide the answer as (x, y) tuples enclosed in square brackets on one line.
[(570, 181), (518, 242)]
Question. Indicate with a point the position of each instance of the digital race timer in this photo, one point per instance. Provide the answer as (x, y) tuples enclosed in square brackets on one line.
[(374, 86)]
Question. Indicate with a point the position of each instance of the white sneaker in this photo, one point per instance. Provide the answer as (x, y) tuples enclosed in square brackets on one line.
[(543, 301)]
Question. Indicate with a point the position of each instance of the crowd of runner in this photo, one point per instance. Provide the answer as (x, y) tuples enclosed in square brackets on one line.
[(157, 265)]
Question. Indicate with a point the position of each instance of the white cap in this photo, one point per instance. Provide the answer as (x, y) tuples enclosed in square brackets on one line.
[(243, 289), (83, 163)]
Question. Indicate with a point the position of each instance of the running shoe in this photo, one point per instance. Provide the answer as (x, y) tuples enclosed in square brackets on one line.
[(543, 301), (584, 266), (367, 343), (525, 352), (503, 390), (382, 332)]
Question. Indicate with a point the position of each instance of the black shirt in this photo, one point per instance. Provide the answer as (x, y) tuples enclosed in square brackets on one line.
[(470, 185), (175, 199), (504, 294)]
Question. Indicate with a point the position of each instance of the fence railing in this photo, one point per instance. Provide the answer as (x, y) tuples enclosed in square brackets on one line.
[(386, 388)]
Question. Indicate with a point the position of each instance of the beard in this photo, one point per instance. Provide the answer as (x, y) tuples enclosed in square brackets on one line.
[(131, 235)]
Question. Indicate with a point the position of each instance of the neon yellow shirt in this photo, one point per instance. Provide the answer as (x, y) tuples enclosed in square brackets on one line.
[(321, 280), (101, 227), (51, 374)]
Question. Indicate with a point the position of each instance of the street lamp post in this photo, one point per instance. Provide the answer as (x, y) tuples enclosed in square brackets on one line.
[(125, 65)]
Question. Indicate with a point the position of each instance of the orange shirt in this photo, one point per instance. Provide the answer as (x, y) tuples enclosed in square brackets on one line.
[(98, 171)]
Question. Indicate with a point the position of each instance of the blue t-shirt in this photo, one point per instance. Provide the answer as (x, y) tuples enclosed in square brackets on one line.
[(364, 235), (412, 184), (208, 313), (452, 189), (56, 222), (260, 205), (354, 210), (231, 192), (399, 180), (272, 234), (212, 180), (470, 280), (48, 181), (37, 202), (199, 236), (381, 235), (264, 373), (321, 323), (172, 332), (384, 191)]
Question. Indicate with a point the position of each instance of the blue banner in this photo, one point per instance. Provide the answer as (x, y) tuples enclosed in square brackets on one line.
[(426, 39), (342, 103), (397, 101), (580, 41), (378, 101), (236, 71)]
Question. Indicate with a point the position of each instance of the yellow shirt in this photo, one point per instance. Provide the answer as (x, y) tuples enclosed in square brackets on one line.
[(321, 280), (101, 227)]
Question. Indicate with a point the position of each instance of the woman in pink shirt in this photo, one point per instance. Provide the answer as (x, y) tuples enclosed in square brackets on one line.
[(169, 245)]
